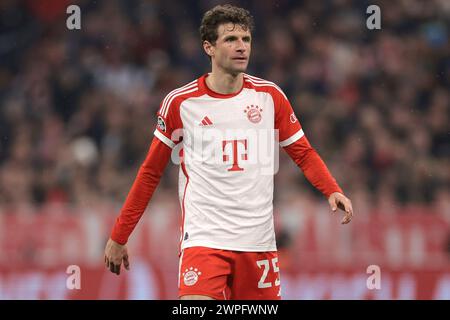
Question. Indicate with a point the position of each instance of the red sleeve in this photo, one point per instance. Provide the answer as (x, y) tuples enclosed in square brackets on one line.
[(289, 128), (312, 166), (142, 190), (169, 124)]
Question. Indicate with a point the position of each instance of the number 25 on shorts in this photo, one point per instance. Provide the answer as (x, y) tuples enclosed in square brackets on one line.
[(266, 268)]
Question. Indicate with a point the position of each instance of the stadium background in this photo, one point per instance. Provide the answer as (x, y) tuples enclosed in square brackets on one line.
[(77, 112)]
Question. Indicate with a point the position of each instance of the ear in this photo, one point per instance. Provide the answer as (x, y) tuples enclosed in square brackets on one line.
[(209, 48)]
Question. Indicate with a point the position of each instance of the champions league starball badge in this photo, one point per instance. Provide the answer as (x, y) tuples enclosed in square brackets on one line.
[(161, 124)]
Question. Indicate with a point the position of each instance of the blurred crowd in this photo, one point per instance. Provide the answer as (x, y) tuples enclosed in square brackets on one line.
[(77, 107)]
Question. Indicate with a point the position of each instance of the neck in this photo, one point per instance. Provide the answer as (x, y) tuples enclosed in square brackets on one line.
[(224, 83)]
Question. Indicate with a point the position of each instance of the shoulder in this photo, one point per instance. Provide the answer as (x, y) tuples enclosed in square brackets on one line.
[(178, 95), (262, 85)]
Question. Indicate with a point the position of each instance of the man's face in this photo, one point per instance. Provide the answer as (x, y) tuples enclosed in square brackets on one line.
[(231, 52)]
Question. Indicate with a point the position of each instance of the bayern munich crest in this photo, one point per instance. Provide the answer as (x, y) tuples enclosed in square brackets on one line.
[(190, 276), (253, 113)]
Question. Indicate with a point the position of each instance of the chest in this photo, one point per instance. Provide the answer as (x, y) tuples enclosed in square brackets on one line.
[(247, 111)]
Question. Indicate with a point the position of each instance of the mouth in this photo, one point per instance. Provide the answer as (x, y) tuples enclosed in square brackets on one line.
[(242, 59)]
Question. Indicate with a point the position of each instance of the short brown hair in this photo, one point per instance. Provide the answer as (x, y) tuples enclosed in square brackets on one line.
[(223, 14)]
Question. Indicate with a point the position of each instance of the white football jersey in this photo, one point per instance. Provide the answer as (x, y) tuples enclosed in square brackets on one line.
[(227, 144)]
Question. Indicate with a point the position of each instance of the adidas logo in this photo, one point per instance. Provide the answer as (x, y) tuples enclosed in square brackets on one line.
[(205, 122)]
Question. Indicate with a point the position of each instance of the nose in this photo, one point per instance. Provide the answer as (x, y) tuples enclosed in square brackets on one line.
[(240, 46)]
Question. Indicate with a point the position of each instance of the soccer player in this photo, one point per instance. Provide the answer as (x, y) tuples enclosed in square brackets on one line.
[(227, 240)]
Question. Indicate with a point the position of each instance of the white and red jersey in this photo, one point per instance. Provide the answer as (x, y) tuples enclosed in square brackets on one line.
[(226, 176), (225, 187)]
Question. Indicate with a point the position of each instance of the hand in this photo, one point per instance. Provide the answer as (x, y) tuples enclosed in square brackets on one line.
[(338, 200), (114, 254)]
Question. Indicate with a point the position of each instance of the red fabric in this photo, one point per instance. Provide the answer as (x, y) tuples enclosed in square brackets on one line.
[(169, 118), (312, 166), (231, 275), (285, 120), (142, 190)]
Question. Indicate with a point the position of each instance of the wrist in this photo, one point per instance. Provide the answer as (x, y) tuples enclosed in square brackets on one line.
[(335, 192), (116, 240)]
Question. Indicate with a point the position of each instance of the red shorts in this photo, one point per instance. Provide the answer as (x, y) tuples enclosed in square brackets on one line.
[(225, 274)]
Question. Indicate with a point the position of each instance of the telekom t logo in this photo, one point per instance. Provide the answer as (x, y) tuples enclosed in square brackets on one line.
[(234, 143)]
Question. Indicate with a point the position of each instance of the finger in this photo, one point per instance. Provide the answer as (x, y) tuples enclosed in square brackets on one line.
[(107, 262), (117, 269), (345, 220), (333, 205), (348, 217), (111, 267), (126, 262), (348, 207)]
